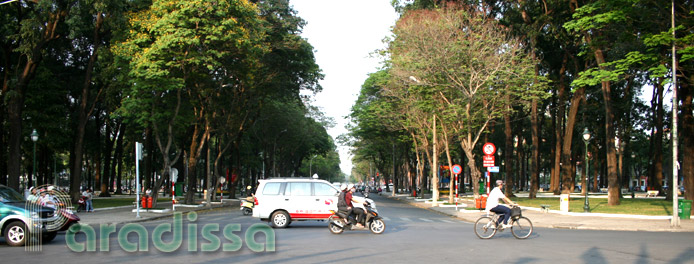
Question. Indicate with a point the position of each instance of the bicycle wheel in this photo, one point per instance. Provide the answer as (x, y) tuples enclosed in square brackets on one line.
[(522, 228), (485, 228)]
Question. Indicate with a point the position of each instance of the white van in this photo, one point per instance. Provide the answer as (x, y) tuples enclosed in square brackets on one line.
[(283, 200)]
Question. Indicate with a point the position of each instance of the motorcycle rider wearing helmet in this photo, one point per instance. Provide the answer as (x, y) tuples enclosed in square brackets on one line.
[(342, 204), (349, 198)]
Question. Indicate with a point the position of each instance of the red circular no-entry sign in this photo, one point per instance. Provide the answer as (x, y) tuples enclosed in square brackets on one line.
[(489, 148)]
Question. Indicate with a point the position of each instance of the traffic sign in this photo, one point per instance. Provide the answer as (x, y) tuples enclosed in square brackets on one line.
[(489, 148), (493, 169), (487, 161), (457, 169)]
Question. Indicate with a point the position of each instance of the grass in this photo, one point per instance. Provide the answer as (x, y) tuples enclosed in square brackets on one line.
[(113, 202), (599, 205)]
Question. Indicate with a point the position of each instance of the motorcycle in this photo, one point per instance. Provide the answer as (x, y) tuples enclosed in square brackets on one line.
[(338, 222), (81, 204), (247, 207)]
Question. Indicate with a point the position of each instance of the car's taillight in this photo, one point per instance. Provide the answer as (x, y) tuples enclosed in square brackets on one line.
[(255, 200)]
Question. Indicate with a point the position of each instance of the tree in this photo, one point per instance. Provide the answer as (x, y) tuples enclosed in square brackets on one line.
[(470, 63), (187, 52)]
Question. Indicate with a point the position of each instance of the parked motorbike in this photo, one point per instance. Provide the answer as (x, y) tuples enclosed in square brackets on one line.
[(81, 204), (338, 222), (247, 207)]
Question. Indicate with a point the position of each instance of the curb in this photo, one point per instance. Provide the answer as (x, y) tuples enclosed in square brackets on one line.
[(166, 215)]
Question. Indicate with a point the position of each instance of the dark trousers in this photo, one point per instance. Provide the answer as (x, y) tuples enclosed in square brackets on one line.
[(504, 211), (360, 214)]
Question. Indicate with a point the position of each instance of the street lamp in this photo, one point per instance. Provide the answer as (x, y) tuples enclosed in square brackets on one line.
[(586, 139), (34, 137), (310, 165)]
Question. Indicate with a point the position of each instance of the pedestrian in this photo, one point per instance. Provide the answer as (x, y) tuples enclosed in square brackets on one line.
[(33, 197), (46, 199), (87, 194)]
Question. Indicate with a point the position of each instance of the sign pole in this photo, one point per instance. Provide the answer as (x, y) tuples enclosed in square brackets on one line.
[(456, 192), (138, 157), (456, 169)]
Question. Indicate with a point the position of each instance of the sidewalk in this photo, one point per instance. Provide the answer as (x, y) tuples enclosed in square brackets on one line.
[(125, 214), (558, 219)]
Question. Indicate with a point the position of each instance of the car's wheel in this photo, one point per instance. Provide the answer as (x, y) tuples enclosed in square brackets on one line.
[(280, 219), (16, 234), (377, 226), (48, 236), (247, 211)]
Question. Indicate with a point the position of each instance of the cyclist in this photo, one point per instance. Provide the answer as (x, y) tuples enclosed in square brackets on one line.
[(494, 206)]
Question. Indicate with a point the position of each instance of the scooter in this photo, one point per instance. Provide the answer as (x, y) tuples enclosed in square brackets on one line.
[(338, 222), (81, 204), (247, 207)]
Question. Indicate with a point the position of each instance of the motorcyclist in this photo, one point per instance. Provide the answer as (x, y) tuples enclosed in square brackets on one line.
[(342, 204), (349, 198)]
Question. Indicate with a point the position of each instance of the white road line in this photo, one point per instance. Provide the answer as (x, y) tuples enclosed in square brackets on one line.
[(425, 220), (386, 218), (406, 219), (447, 221)]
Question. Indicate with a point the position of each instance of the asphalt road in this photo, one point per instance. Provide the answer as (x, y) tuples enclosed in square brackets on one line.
[(413, 235)]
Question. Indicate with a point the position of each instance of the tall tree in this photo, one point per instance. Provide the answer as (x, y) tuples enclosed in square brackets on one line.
[(471, 72)]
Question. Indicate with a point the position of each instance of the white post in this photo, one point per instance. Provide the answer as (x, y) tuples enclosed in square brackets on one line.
[(675, 165), (138, 157)]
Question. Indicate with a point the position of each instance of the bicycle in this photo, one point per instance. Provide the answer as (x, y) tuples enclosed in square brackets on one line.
[(521, 226)]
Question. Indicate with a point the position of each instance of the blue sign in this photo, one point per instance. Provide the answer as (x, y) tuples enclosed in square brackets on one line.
[(457, 169), (493, 169)]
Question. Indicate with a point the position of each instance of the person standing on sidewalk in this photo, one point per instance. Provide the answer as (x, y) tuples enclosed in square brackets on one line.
[(494, 206), (87, 194)]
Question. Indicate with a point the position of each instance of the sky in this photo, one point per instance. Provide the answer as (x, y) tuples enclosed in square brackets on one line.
[(343, 35)]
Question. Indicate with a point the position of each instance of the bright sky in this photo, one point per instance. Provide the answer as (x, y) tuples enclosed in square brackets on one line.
[(343, 34)]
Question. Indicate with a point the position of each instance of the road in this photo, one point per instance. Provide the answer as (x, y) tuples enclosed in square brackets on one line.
[(413, 235)]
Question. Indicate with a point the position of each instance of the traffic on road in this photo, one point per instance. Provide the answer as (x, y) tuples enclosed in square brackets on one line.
[(413, 234)]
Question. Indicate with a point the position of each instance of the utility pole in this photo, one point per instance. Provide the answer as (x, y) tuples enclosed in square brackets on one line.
[(675, 165)]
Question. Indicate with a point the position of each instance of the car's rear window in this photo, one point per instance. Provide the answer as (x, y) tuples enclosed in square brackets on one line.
[(272, 188)]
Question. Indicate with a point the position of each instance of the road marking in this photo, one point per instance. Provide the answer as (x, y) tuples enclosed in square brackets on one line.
[(447, 221), (406, 219), (425, 220), (386, 218)]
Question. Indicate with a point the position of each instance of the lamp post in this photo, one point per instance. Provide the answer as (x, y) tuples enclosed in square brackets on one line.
[(310, 165), (34, 137), (586, 139)]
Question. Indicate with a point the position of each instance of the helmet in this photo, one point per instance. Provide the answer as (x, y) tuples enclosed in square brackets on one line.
[(343, 186), (350, 186), (499, 182)]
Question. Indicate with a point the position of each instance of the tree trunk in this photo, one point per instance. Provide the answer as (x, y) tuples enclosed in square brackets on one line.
[(119, 158), (84, 113), (535, 155), (567, 177), (559, 127), (655, 178), (434, 168), (108, 159), (14, 114), (612, 177), (508, 152), (686, 97), (200, 136)]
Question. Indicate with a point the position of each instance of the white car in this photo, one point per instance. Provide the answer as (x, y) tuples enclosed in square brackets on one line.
[(283, 200)]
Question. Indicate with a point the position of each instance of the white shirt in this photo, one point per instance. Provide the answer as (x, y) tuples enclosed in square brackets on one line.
[(493, 199)]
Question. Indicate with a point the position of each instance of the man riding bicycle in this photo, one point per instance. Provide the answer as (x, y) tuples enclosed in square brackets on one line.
[(494, 206)]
